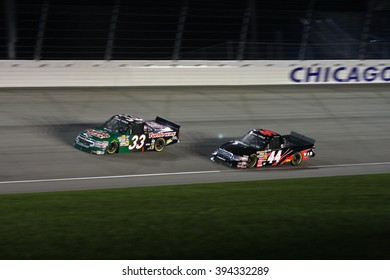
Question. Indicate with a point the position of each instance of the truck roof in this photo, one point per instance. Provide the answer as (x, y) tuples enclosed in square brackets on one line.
[(264, 133), (267, 132)]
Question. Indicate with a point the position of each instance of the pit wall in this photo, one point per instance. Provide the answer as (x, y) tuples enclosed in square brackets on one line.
[(90, 73)]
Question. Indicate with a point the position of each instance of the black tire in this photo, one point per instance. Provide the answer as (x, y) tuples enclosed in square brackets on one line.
[(112, 148), (296, 159), (159, 145), (252, 161)]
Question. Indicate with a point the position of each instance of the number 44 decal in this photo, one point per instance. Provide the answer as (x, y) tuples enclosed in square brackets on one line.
[(274, 158), (137, 142)]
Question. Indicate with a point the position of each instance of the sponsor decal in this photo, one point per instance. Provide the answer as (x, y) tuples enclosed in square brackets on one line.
[(341, 74), (124, 140), (308, 153), (152, 144), (267, 132), (97, 152), (98, 133), (260, 158), (162, 134)]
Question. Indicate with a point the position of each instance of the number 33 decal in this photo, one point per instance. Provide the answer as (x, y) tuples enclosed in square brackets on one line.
[(137, 142)]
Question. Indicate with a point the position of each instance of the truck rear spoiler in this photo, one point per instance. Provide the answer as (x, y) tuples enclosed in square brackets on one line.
[(167, 123), (301, 137)]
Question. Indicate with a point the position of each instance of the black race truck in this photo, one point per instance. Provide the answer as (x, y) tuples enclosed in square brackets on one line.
[(262, 147)]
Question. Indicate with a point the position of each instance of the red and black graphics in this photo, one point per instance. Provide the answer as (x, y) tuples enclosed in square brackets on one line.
[(262, 147), (282, 156), (275, 157), (267, 132)]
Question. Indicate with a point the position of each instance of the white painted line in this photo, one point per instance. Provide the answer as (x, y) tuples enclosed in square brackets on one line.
[(351, 164), (109, 177), (176, 173)]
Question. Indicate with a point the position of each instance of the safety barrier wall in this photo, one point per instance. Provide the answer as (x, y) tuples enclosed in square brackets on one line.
[(26, 73)]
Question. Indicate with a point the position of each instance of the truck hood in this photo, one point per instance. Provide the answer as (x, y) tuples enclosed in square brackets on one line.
[(238, 148), (99, 134)]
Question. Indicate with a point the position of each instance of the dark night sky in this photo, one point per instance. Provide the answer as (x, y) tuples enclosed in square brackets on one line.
[(79, 29)]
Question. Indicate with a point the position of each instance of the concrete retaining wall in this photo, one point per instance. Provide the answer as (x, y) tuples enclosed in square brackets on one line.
[(26, 73)]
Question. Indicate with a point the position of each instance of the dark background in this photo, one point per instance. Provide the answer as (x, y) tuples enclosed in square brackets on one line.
[(195, 29)]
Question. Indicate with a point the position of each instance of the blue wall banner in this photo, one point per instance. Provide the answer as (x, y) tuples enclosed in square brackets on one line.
[(340, 74)]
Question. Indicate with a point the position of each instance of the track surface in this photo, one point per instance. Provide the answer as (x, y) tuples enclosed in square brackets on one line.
[(350, 122)]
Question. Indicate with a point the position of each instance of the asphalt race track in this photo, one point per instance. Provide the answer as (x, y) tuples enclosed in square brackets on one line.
[(350, 122)]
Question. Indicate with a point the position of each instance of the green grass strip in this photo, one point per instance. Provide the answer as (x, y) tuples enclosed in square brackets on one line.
[(344, 217)]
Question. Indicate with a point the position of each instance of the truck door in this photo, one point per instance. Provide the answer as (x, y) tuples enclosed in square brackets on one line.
[(275, 147), (276, 143), (137, 137)]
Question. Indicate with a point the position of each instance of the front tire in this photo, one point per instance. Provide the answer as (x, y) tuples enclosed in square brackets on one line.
[(159, 145), (112, 148), (252, 161), (296, 159)]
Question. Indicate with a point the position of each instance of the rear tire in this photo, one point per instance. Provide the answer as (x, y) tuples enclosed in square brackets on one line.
[(159, 145), (112, 148), (296, 159), (252, 161)]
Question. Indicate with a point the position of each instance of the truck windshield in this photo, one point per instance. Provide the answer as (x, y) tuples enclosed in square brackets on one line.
[(116, 125), (253, 140)]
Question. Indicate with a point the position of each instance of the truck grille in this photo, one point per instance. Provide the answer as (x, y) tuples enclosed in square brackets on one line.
[(85, 142), (225, 154)]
